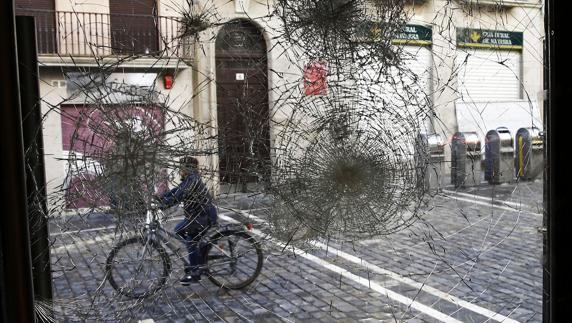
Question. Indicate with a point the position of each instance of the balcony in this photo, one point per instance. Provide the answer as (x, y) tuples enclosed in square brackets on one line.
[(87, 34)]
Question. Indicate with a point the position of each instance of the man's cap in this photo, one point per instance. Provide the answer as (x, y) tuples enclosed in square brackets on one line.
[(189, 162)]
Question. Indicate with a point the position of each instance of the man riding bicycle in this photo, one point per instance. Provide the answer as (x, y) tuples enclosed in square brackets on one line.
[(200, 214)]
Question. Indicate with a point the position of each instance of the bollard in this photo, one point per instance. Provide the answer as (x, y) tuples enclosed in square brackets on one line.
[(465, 159), (499, 156), (529, 155), (430, 159)]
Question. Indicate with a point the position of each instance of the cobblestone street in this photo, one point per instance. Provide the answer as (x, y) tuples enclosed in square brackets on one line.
[(474, 256)]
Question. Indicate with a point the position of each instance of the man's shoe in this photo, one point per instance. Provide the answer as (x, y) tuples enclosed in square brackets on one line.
[(188, 279)]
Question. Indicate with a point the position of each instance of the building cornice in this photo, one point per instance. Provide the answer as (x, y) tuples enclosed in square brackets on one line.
[(121, 62)]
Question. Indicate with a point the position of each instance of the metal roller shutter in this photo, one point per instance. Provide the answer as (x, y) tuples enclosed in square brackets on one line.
[(412, 80), (404, 95), (418, 60), (488, 75)]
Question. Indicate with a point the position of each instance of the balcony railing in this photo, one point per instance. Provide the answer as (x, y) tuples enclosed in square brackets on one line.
[(69, 33)]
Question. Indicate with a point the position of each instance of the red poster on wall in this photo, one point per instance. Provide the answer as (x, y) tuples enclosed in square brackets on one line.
[(315, 78)]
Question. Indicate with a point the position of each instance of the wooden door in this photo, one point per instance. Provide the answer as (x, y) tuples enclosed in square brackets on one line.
[(242, 103)]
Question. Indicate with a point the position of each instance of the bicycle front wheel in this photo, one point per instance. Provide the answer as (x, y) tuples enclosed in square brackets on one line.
[(233, 259), (137, 267)]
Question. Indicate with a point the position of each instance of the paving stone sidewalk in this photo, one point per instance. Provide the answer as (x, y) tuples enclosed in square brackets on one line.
[(481, 254)]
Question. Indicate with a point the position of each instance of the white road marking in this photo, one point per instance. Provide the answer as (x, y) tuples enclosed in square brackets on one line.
[(500, 207), (485, 198), (87, 242), (345, 273), (395, 276), (369, 242), (426, 288), (360, 280), (82, 231), (375, 286)]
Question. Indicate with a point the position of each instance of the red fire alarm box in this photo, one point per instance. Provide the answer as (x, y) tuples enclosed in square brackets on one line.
[(315, 78), (168, 81)]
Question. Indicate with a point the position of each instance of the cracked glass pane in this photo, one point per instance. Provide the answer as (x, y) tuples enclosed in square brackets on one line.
[(292, 160)]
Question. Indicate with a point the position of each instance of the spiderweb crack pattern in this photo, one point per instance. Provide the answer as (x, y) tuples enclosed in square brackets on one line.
[(325, 168)]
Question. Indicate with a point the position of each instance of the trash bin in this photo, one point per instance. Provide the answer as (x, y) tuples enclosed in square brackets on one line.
[(430, 160), (499, 156), (529, 154), (465, 159)]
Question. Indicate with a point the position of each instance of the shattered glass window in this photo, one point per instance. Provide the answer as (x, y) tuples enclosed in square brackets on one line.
[(292, 160)]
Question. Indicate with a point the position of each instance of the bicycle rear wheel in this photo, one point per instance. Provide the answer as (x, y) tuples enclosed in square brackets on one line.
[(137, 267), (233, 259)]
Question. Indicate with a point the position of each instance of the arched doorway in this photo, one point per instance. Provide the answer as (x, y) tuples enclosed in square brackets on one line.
[(242, 104)]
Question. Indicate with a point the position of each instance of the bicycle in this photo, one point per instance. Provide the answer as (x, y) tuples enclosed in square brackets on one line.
[(139, 266)]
